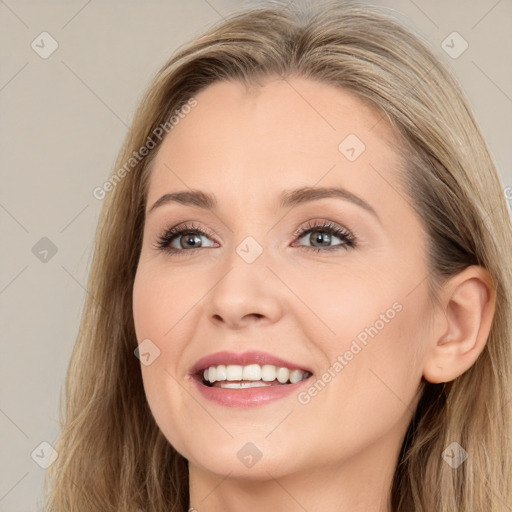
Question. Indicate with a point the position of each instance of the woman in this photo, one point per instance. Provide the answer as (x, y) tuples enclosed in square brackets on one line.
[(300, 297)]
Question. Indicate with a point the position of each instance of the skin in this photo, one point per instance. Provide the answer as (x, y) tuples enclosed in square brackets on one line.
[(339, 451)]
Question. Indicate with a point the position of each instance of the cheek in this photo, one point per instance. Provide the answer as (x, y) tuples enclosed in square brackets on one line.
[(345, 304), (382, 361), (160, 303), (374, 348), (161, 300), (167, 403), (157, 311), (372, 386)]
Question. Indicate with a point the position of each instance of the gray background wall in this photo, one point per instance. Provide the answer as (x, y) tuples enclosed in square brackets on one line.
[(62, 120)]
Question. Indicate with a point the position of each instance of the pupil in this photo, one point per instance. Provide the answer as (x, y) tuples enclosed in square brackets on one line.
[(325, 237), (190, 239)]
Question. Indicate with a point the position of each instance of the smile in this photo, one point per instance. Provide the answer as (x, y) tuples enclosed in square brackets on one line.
[(247, 379), (253, 375)]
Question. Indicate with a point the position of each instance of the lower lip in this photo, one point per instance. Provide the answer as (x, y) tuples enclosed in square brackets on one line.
[(247, 397)]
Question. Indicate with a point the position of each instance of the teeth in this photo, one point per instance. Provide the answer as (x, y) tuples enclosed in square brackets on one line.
[(283, 374), (268, 372), (240, 385), (251, 372), (296, 376), (255, 374), (220, 373), (233, 372)]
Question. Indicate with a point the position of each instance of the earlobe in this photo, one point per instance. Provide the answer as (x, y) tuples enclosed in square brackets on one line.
[(468, 305)]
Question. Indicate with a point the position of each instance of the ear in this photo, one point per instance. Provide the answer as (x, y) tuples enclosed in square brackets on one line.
[(463, 323)]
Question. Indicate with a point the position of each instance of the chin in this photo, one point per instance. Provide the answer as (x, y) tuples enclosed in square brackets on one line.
[(248, 457)]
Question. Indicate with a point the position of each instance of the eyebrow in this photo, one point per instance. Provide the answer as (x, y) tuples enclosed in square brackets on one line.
[(287, 198)]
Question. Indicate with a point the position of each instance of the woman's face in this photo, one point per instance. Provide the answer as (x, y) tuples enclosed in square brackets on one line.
[(332, 285)]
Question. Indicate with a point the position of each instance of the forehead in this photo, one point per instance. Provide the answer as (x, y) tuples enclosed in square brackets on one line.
[(286, 132)]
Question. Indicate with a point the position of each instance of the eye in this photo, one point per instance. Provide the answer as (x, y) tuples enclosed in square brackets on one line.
[(187, 237), (181, 238), (323, 232)]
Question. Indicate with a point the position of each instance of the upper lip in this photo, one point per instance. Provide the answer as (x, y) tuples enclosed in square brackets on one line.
[(243, 359)]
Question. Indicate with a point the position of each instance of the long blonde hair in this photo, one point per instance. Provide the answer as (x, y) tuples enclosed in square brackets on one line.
[(112, 455)]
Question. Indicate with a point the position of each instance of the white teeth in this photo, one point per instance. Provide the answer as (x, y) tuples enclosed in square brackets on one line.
[(283, 374), (240, 385), (296, 376), (220, 373), (251, 372), (233, 371), (254, 373), (268, 372)]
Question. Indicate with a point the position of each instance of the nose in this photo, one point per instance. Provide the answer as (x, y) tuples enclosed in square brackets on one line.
[(246, 294)]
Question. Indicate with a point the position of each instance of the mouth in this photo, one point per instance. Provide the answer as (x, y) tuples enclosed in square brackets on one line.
[(233, 376), (248, 379)]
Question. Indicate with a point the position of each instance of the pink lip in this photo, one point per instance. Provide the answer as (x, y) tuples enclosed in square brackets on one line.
[(250, 397)]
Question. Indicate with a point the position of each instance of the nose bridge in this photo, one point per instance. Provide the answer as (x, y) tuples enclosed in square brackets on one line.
[(252, 243), (250, 231), (246, 289)]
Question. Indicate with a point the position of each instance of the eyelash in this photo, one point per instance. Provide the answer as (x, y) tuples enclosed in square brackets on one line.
[(348, 239)]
